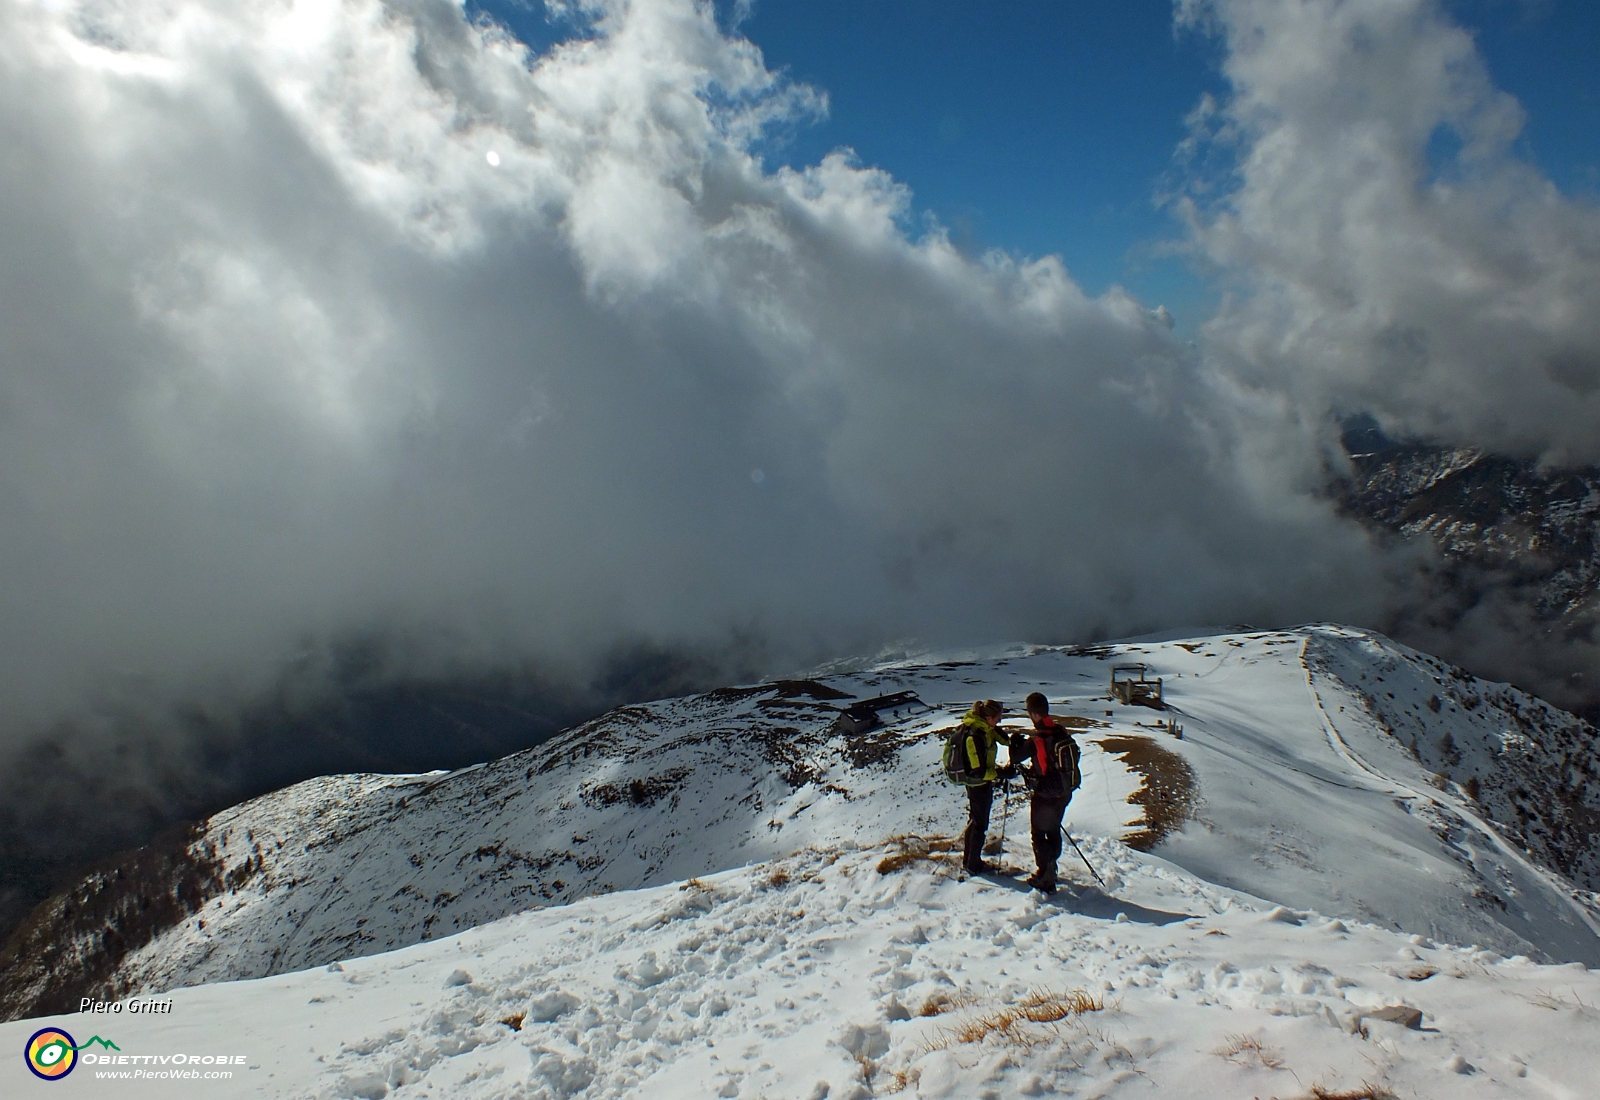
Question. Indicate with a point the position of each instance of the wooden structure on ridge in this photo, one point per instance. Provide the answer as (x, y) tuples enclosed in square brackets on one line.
[(1130, 691)]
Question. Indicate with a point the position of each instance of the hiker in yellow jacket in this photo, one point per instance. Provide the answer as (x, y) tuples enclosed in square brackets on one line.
[(983, 737)]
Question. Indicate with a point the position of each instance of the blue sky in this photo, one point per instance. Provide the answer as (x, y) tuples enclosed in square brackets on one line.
[(1050, 127)]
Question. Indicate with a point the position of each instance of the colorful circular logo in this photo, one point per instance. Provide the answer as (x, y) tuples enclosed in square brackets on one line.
[(51, 1054)]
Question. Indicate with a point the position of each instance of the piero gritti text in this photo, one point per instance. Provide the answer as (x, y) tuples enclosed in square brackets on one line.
[(133, 1006)]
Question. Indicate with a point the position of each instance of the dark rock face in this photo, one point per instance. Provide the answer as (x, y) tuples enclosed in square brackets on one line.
[(1542, 528), (1505, 529)]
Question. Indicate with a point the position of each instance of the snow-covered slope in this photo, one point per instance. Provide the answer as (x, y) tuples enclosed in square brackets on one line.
[(823, 976), (1324, 769)]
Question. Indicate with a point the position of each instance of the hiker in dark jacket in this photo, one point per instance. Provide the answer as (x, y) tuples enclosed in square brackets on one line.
[(1051, 773), (982, 724)]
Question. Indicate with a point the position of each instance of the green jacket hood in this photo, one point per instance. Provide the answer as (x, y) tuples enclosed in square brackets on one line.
[(981, 745)]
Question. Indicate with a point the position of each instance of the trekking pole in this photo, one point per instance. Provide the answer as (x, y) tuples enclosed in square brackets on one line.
[(1085, 858), (1005, 814)]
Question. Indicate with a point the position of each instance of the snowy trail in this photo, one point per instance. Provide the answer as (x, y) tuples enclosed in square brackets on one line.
[(819, 976), (1558, 893)]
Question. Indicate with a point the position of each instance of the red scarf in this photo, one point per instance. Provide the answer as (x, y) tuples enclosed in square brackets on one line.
[(1038, 744)]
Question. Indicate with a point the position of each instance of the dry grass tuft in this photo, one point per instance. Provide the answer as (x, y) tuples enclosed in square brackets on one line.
[(1010, 1024), (778, 879), (695, 884), (914, 849), (898, 1079), (1245, 1049), (1005, 1024), (938, 1004), (1364, 1092), (514, 1022), (902, 1079), (1555, 1002), (1042, 1007)]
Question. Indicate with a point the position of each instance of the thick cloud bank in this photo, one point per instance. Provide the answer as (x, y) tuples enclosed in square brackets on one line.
[(1391, 254), (335, 318), (337, 327)]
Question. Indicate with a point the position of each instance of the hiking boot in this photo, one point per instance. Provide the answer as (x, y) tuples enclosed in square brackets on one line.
[(979, 868), (1041, 883)]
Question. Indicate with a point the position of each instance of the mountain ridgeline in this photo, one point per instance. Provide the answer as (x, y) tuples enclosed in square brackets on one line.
[(1437, 803)]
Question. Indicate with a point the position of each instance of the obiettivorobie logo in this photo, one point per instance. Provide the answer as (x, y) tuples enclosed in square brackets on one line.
[(52, 1053)]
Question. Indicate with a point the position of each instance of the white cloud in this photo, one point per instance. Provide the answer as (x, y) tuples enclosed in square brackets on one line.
[(290, 360), (1390, 250)]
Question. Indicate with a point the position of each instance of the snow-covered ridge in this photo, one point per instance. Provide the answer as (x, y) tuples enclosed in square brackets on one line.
[(1309, 795), (818, 976), (1514, 759)]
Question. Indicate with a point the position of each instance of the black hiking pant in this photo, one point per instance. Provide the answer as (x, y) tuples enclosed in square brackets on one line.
[(979, 801), (1045, 819)]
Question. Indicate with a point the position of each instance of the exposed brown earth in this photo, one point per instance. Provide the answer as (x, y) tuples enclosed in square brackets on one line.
[(1167, 789)]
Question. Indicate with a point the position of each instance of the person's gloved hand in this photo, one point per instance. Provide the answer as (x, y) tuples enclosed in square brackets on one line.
[(1007, 772)]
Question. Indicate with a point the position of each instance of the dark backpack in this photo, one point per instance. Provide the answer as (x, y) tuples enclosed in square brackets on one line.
[(1063, 752), (1067, 757), (958, 767)]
